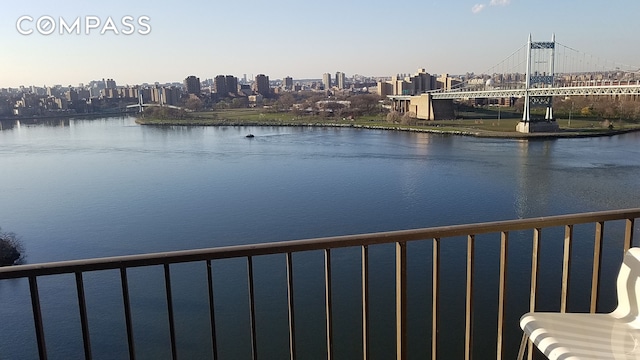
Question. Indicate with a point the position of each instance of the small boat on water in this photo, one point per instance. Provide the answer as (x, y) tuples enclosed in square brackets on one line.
[(250, 135)]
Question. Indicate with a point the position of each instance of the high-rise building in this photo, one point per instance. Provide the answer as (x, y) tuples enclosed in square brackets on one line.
[(109, 93), (170, 95), (340, 80), (402, 84), (326, 81), (164, 95), (385, 88), (84, 94), (220, 85), (446, 82), (155, 95), (146, 94), (192, 85), (422, 82), (261, 86), (287, 83), (232, 84), (71, 95), (223, 85), (110, 84)]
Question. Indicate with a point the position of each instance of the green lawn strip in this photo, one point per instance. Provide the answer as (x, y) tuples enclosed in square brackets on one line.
[(483, 127)]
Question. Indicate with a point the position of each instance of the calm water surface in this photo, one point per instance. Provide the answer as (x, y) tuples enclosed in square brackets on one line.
[(75, 189)]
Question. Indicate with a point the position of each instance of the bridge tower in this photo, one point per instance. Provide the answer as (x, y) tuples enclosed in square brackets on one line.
[(140, 101), (537, 75)]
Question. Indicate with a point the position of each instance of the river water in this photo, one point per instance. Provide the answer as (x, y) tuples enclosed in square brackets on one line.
[(77, 189)]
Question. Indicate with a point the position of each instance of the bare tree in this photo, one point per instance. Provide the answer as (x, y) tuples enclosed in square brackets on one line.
[(194, 103), (394, 117), (11, 249), (409, 118), (366, 103), (286, 101)]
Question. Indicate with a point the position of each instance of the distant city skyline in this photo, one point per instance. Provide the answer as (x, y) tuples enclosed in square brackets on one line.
[(290, 38)]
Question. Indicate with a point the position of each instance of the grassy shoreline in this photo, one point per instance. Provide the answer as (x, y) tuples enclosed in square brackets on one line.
[(55, 116), (496, 128)]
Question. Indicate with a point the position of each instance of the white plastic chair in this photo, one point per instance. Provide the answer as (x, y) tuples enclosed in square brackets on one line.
[(592, 336)]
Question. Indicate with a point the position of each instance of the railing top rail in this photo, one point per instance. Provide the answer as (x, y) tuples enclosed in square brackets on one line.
[(282, 247)]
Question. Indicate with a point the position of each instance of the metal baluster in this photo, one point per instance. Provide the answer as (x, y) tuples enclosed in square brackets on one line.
[(172, 326), (212, 311), (401, 300), (537, 235), (468, 340), (566, 267), (435, 307), (127, 312), (597, 270), (292, 322), (84, 321), (365, 302), (504, 252), (252, 309), (328, 305), (37, 317)]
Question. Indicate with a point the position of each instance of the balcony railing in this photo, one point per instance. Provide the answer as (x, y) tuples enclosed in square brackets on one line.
[(436, 235)]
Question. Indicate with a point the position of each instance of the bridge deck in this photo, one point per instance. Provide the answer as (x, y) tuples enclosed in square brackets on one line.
[(551, 91)]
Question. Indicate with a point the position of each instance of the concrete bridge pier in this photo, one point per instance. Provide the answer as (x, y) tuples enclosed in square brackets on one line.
[(401, 104), (423, 106), (537, 126)]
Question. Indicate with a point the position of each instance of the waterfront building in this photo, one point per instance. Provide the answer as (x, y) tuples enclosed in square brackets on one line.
[(192, 85), (261, 85), (173, 95), (155, 94), (220, 85), (146, 94), (109, 84), (223, 85), (109, 93), (71, 95), (165, 95), (232, 84), (129, 92), (84, 94)]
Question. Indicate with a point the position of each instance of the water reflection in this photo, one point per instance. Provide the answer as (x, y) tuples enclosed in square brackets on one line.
[(107, 187), (9, 124), (533, 177)]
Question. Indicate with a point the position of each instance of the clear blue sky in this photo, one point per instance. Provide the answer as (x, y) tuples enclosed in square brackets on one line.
[(303, 39)]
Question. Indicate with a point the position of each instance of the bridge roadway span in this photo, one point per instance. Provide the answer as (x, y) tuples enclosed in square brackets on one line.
[(534, 92)]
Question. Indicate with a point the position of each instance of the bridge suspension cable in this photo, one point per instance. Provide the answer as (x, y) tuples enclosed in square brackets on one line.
[(571, 68)]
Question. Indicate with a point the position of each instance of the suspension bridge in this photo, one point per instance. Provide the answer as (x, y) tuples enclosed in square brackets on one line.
[(537, 72)]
